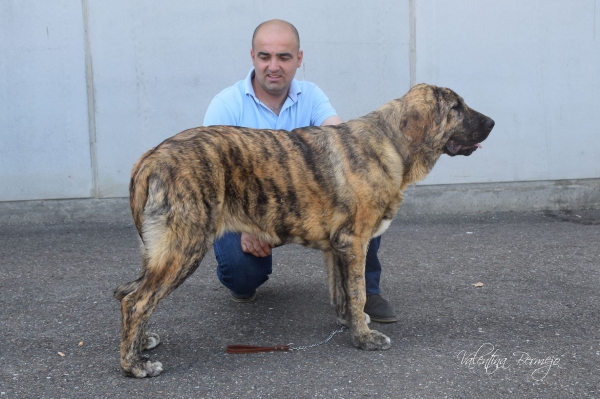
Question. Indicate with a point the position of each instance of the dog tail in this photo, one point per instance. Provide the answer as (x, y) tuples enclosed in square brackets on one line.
[(138, 189)]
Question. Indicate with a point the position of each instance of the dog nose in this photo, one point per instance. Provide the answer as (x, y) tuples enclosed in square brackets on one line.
[(490, 123)]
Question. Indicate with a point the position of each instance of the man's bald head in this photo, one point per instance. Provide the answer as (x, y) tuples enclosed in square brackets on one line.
[(276, 25)]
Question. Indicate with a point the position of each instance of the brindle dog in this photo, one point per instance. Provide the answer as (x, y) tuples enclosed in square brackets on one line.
[(331, 188)]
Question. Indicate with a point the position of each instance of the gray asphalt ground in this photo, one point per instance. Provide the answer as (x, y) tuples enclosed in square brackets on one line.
[(531, 330)]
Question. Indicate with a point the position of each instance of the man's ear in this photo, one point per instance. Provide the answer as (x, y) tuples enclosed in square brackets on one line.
[(300, 55), (252, 54)]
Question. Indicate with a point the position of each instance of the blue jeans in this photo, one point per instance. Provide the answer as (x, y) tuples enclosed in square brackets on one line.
[(243, 273)]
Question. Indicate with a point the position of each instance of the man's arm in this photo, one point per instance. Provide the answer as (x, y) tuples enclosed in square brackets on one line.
[(323, 113), (332, 120)]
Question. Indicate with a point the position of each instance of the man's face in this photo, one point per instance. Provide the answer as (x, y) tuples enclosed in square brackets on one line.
[(275, 57)]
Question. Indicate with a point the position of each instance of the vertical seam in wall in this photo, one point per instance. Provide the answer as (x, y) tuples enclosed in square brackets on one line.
[(89, 77), (412, 56)]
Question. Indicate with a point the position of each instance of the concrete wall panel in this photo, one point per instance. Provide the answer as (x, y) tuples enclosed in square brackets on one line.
[(44, 136), (533, 67)]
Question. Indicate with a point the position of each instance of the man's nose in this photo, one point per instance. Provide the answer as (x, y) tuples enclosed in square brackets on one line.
[(273, 64)]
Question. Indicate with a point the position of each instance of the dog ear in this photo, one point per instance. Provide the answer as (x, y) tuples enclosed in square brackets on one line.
[(445, 101), (418, 114)]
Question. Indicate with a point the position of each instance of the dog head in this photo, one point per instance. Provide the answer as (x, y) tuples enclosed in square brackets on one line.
[(465, 127), (454, 128)]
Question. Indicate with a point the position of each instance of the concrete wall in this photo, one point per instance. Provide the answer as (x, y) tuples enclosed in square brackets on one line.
[(44, 140), (534, 66), (87, 87)]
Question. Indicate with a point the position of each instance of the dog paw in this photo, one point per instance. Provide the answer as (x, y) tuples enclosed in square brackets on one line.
[(344, 322), (371, 341), (144, 369), (150, 341)]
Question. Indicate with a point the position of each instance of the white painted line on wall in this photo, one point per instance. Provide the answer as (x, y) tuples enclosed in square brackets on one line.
[(89, 76), (412, 56)]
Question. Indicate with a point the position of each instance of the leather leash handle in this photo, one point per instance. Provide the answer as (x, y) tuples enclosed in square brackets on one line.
[(240, 349)]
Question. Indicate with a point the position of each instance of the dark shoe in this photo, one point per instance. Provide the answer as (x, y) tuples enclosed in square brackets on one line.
[(243, 298), (380, 310)]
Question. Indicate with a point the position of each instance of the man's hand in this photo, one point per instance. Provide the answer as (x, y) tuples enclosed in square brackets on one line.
[(255, 246)]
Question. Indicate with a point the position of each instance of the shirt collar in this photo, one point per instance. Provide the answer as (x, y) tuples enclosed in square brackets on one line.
[(292, 92)]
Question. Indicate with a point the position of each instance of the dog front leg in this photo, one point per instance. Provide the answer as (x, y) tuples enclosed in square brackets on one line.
[(346, 266)]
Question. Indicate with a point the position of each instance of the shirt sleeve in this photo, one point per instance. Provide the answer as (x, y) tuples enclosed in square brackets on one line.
[(322, 108), (218, 113)]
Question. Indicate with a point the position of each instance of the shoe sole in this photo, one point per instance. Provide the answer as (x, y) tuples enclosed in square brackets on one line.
[(391, 320), (243, 300)]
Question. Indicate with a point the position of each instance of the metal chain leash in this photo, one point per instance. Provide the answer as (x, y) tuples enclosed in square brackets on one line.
[(303, 348)]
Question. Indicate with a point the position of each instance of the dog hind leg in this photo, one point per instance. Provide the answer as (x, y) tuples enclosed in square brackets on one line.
[(125, 289), (172, 254), (137, 307), (149, 340)]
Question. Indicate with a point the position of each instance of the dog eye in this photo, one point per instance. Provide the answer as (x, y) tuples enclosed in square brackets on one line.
[(456, 109), (454, 112)]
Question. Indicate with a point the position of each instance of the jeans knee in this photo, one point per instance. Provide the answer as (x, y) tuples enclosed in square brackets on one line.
[(235, 278), (242, 273)]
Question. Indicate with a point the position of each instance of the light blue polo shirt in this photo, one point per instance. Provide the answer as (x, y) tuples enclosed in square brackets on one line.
[(305, 105)]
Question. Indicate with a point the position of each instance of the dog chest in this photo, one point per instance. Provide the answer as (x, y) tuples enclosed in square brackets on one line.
[(383, 226)]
